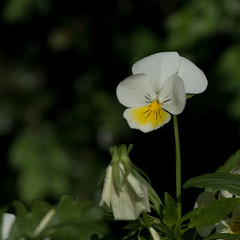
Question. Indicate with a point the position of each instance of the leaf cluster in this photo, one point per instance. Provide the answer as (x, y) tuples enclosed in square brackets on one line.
[(72, 220)]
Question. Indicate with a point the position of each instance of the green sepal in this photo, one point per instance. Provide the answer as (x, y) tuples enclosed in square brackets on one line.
[(170, 211), (116, 175), (188, 96), (120, 156), (216, 181)]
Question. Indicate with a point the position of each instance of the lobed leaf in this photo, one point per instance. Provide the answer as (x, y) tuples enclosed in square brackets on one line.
[(170, 211)]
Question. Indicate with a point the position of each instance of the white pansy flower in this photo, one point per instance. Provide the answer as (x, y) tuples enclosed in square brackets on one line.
[(7, 223), (128, 202), (158, 88)]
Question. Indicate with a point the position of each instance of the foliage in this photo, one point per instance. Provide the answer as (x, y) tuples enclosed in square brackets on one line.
[(71, 220)]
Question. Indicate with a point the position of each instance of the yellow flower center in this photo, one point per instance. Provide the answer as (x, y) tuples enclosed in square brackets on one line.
[(235, 228), (151, 114)]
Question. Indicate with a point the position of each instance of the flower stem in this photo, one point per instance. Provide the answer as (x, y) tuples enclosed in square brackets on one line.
[(178, 167)]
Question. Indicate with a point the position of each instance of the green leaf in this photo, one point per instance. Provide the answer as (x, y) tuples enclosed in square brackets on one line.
[(70, 219), (153, 197), (214, 212), (231, 163), (170, 211), (190, 215), (216, 181), (74, 220), (225, 236)]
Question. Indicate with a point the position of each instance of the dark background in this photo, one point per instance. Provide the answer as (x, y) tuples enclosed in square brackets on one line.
[(60, 63)]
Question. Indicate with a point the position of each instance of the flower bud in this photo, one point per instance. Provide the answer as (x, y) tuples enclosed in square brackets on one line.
[(122, 191)]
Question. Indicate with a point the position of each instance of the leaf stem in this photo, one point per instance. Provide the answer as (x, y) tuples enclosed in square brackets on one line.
[(178, 168)]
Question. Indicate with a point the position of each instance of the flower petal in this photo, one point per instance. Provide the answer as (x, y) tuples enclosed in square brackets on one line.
[(172, 96), (154, 234), (107, 188), (143, 119), (158, 67), (224, 226), (7, 222), (141, 191), (194, 79), (135, 91), (129, 203), (123, 206)]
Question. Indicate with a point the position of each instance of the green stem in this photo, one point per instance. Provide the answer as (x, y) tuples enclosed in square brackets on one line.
[(178, 168)]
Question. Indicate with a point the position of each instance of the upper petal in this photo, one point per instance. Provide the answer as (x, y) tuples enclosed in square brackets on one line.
[(172, 96), (158, 67), (194, 79), (135, 91)]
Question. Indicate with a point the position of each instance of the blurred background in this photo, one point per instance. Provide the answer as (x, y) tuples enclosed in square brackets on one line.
[(60, 63)]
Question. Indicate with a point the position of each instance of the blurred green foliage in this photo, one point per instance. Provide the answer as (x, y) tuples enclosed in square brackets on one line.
[(69, 219), (60, 63)]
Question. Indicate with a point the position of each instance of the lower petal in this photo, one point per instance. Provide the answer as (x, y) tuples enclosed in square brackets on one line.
[(146, 120)]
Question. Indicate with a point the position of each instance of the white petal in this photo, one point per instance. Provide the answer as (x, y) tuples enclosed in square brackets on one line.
[(136, 185), (236, 170), (122, 205), (225, 194), (158, 67), (7, 222), (44, 222), (129, 203), (135, 91), (107, 188), (141, 191), (194, 79), (224, 226), (137, 120), (154, 234), (172, 96)]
